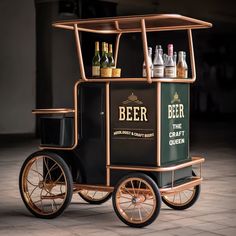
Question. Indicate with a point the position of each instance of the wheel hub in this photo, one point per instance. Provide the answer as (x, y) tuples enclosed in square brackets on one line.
[(41, 184)]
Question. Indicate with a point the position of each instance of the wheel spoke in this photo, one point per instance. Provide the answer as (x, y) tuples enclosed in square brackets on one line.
[(37, 173), (145, 210), (127, 191), (31, 183), (139, 185), (37, 170), (94, 194), (124, 197), (185, 194), (48, 171), (128, 207), (174, 198), (33, 191), (132, 213), (148, 204), (140, 214), (133, 187), (58, 178), (125, 202)]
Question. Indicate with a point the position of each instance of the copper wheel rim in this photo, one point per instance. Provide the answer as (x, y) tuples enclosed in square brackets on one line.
[(94, 195), (181, 198), (44, 193), (136, 200)]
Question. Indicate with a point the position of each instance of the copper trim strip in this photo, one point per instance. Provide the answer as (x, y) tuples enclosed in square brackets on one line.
[(53, 111), (124, 79), (76, 118), (117, 48), (79, 53), (189, 23), (191, 51), (107, 133), (101, 188), (158, 124), (145, 50), (194, 161), (169, 191), (164, 191), (117, 25)]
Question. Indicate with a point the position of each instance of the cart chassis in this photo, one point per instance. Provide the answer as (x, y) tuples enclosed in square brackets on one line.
[(76, 27)]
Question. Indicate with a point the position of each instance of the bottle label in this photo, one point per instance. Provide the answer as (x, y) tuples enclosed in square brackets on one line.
[(95, 70), (182, 73), (170, 72), (106, 72), (158, 71), (186, 74), (145, 72)]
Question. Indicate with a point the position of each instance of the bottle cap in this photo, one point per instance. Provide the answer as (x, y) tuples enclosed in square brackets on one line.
[(170, 49)]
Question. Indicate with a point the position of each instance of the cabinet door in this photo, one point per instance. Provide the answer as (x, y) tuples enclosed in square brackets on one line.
[(91, 147)]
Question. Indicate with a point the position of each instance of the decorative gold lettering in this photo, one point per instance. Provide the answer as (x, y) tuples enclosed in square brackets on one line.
[(144, 114), (128, 114), (136, 117), (121, 113)]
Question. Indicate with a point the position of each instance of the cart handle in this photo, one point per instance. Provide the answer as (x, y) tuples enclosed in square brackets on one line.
[(53, 111), (145, 50)]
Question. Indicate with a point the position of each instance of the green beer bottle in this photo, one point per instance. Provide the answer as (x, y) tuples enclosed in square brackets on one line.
[(104, 60), (96, 61)]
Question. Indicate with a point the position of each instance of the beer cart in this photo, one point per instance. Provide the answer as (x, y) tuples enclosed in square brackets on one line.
[(125, 138)]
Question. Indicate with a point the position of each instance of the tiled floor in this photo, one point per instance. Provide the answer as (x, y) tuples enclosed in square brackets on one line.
[(213, 214)]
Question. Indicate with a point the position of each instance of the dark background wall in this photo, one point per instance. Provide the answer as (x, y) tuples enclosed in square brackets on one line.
[(38, 64), (17, 66)]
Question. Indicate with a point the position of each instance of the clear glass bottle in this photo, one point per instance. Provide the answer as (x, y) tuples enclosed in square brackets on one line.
[(165, 57), (96, 61), (186, 66), (158, 63), (170, 67), (149, 62), (104, 62), (182, 68), (110, 57)]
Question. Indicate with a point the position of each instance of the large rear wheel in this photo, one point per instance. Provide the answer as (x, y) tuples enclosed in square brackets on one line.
[(46, 184), (184, 199)]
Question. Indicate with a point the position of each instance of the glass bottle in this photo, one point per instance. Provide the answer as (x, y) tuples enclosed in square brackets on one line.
[(104, 59), (149, 62), (165, 57), (96, 61), (186, 66), (170, 67), (110, 57), (158, 63), (182, 68)]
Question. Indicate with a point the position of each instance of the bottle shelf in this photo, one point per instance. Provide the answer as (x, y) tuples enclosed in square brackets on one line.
[(134, 24), (141, 79)]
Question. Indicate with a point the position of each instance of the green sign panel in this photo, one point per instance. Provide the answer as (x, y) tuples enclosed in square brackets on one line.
[(174, 122)]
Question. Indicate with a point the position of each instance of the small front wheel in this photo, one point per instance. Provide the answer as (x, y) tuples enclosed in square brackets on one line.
[(46, 184), (95, 197), (137, 200)]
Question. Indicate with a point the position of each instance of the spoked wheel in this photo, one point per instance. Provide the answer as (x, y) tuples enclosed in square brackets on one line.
[(136, 200), (95, 197), (46, 184), (184, 199)]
